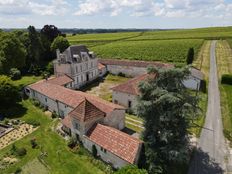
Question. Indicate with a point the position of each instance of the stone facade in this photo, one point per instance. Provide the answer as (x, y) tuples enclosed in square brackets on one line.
[(78, 63), (129, 101)]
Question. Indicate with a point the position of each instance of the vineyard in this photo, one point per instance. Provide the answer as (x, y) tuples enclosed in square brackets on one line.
[(166, 46)]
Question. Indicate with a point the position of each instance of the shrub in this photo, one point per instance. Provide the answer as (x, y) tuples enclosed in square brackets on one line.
[(15, 74), (18, 171), (226, 79), (94, 151), (35, 102), (203, 86), (6, 121), (190, 56), (33, 143), (34, 123), (21, 151), (54, 115), (121, 74), (13, 149), (72, 142)]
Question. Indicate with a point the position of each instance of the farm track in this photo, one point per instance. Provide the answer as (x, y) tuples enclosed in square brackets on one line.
[(211, 152)]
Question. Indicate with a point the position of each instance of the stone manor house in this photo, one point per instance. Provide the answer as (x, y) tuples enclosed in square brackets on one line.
[(90, 119)]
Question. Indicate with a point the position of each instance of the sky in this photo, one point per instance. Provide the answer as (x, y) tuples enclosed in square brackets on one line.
[(162, 14)]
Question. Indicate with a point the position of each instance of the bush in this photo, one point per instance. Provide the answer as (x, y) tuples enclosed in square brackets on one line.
[(18, 171), (121, 74), (226, 79), (94, 151), (54, 115), (15, 74), (34, 123), (203, 86), (72, 142), (33, 143), (21, 151), (35, 102)]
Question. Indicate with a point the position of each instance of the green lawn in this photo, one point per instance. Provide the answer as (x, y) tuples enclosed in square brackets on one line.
[(226, 107), (60, 159), (26, 80), (198, 123)]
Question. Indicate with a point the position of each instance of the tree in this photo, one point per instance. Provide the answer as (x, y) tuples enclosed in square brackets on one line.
[(60, 43), (190, 56), (35, 48), (167, 108), (94, 151), (51, 32), (12, 53), (131, 169), (8, 92), (48, 33)]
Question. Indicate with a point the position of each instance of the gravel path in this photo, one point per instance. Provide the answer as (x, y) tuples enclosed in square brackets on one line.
[(210, 156)]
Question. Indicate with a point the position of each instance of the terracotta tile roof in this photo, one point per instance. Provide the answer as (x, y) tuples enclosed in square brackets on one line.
[(86, 111), (115, 141), (71, 97), (131, 86), (134, 63), (67, 121), (101, 66), (61, 80), (196, 73)]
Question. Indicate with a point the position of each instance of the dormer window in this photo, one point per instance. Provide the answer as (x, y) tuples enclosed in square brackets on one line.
[(76, 58)]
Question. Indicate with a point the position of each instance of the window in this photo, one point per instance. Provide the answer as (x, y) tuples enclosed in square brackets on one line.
[(86, 65), (105, 151), (46, 100), (77, 126), (129, 104), (91, 64), (76, 69), (81, 67), (81, 79), (77, 80), (116, 101), (102, 149)]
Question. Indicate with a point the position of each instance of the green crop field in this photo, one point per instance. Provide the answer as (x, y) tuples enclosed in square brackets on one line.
[(162, 50), (166, 46)]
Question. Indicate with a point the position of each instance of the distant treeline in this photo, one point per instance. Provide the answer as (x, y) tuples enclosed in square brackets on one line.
[(89, 31)]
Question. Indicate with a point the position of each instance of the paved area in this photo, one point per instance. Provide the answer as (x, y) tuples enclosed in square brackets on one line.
[(212, 150)]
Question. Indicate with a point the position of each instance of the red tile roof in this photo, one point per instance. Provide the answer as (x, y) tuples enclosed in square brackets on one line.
[(131, 86), (71, 97), (61, 80), (135, 63), (115, 141), (86, 111), (101, 66)]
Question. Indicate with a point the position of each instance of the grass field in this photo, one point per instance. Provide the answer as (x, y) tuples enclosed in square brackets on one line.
[(166, 46), (174, 51), (26, 80), (224, 62), (60, 159)]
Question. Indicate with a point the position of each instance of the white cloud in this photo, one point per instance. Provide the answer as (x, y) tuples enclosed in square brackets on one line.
[(12, 7), (167, 8)]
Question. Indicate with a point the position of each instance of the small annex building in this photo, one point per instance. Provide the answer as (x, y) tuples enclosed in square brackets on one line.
[(90, 119)]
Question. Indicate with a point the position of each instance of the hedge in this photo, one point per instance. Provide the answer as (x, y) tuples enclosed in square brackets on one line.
[(226, 79)]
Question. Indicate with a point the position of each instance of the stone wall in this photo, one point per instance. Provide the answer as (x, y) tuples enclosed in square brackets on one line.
[(115, 119), (106, 156), (124, 98), (129, 71), (60, 108)]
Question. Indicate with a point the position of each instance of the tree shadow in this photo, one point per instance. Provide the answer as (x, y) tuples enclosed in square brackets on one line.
[(201, 163), (14, 111), (128, 131)]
